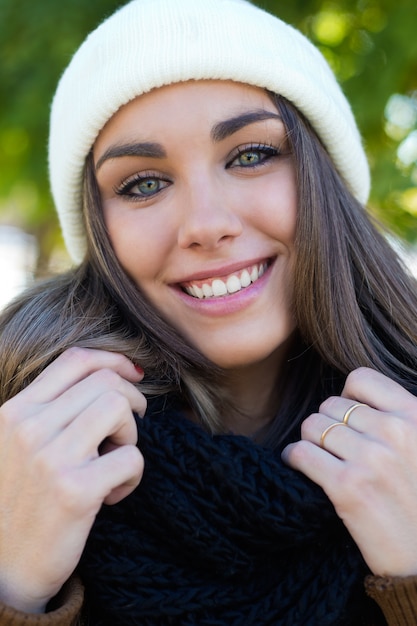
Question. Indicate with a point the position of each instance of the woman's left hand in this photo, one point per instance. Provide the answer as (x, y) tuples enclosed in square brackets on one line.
[(368, 468)]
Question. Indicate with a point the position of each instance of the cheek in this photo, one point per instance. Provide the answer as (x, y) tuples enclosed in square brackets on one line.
[(140, 242), (276, 212)]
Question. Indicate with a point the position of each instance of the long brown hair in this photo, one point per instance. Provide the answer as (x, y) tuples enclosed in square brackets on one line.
[(354, 305)]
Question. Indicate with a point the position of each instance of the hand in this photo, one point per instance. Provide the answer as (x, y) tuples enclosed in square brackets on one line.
[(368, 469), (67, 444)]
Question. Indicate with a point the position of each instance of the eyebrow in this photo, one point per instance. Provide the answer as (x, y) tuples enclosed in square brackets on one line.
[(220, 131), (224, 129), (139, 149)]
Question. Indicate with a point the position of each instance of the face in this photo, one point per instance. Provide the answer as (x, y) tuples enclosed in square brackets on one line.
[(199, 198)]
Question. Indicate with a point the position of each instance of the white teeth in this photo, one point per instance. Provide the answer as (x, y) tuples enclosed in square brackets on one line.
[(198, 292), (207, 291), (233, 284), (245, 278), (219, 287)]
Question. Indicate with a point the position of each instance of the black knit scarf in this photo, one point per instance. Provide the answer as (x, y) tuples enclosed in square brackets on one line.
[(220, 532)]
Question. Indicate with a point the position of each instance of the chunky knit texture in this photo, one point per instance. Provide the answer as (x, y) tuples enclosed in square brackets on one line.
[(220, 532), (151, 43)]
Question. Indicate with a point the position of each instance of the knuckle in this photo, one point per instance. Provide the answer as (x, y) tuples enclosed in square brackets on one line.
[(363, 371), (92, 357), (359, 489), (135, 460), (298, 452), (45, 466), (311, 424), (26, 435), (398, 432), (359, 480), (77, 359), (77, 354), (108, 378), (356, 377), (409, 406), (308, 425), (116, 401), (328, 404), (68, 492), (350, 486), (141, 404), (383, 462), (9, 414), (62, 483), (355, 486)]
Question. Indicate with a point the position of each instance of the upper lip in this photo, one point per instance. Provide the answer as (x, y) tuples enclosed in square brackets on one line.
[(221, 271)]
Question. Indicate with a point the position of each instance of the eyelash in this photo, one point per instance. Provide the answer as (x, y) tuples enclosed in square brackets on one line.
[(265, 151), (125, 188)]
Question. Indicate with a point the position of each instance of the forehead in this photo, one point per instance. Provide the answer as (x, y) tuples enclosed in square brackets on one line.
[(194, 102)]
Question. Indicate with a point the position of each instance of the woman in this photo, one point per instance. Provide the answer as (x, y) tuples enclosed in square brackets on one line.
[(209, 179)]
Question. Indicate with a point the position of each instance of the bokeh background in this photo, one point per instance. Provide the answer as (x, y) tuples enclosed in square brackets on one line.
[(371, 45)]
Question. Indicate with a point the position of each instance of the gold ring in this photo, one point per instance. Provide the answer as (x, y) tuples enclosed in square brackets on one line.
[(327, 430), (350, 411)]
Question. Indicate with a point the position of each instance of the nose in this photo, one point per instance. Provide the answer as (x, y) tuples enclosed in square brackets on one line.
[(209, 218)]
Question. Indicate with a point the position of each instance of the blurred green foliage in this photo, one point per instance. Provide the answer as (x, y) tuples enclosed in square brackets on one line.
[(371, 45)]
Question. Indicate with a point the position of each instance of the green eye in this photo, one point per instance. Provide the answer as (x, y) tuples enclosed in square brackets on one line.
[(141, 187), (253, 156), (148, 186), (249, 158)]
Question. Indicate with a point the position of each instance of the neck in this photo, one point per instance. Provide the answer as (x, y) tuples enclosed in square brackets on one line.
[(254, 392)]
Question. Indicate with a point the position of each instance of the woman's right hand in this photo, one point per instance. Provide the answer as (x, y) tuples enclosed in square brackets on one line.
[(67, 444)]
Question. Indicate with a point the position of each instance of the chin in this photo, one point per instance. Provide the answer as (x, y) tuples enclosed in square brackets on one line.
[(243, 358)]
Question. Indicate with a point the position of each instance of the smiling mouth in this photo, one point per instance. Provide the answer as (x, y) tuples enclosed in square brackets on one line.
[(228, 285)]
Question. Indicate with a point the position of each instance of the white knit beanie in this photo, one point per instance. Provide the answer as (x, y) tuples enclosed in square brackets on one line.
[(151, 43)]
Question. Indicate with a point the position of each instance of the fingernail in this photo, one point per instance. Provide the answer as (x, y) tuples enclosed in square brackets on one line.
[(139, 369)]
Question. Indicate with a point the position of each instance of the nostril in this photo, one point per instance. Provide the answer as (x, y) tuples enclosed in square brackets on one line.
[(209, 230)]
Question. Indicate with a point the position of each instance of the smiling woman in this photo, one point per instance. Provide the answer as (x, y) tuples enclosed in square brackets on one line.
[(230, 305), (217, 191)]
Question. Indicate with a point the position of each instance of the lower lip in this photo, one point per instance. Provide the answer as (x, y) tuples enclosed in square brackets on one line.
[(227, 305)]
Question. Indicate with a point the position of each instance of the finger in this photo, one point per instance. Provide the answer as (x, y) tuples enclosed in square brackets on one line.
[(379, 391), (333, 436), (117, 473), (109, 418), (86, 392), (359, 416), (311, 460), (74, 365), (35, 431)]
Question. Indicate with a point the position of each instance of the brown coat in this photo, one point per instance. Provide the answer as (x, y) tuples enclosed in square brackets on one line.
[(397, 598)]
